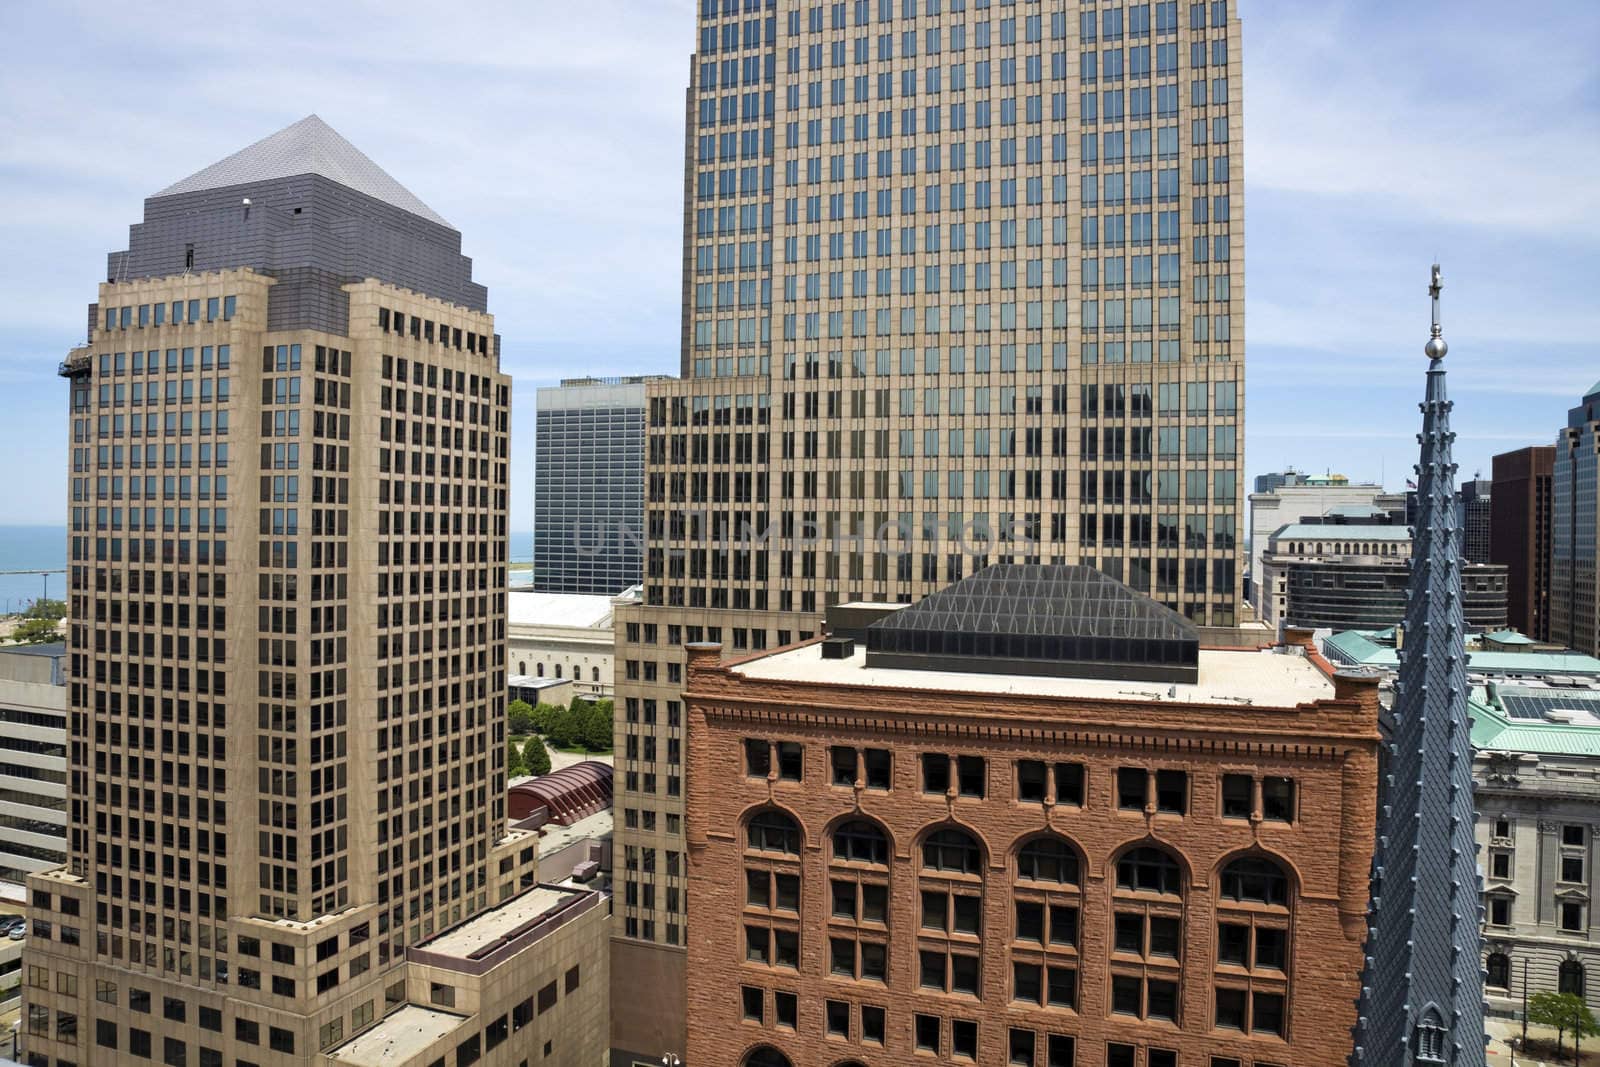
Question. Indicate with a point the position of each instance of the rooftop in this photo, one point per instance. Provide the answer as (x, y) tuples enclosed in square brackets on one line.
[(309, 146), (1362, 648), (399, 1037), (1547, 720), (1037, 619), (1307, 531), (576, 610), (54, 649), (481, 942), (1225, 678)]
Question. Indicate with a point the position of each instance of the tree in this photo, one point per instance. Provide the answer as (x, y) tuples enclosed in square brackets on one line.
[(536, 757), (35, 632), (596, 728), (514, 765), (543, 715), (564, 729), (519, 718), (44, 608), (1566, 1012)]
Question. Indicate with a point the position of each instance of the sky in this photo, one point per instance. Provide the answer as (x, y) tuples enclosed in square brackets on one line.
[(1379, 136)]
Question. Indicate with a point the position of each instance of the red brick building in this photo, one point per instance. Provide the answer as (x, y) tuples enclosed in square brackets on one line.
[(891, 865)]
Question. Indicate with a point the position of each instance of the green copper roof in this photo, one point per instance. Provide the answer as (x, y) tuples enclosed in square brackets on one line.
[(1356, 647), (1493, 729), (1508, 637)]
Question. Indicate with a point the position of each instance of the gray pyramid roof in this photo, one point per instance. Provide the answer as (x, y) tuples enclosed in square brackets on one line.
[(310, 146), (1039, 619)]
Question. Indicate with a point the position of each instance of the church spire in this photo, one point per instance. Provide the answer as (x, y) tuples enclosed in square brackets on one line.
[(1422, 988)]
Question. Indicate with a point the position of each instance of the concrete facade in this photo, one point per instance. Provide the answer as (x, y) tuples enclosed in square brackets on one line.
[(961, 286), (33, 765), (588, 487), (929, 954), (1275, 506), (562, 636)]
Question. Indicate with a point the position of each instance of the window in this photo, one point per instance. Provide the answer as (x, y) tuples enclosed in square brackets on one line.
[(1572, 836), (1570, 978), (872, 1024), (773, 831), (1150, 870), (1255, 880), (872, 766), (928, 1030), (754, 1001), (1048, 859), (1498, 970), (838, 1018), (860, 841), (1499, 911), (1035, 777), (1135, 784), (953, 852), (1572, 916)]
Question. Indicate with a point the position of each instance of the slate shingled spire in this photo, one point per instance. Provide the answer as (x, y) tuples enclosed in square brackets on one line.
[(1422, 988)]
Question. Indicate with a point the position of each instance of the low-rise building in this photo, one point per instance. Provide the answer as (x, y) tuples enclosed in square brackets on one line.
[(1376, 650), (561, 637), (33, 765), (1351, 571), (1026, 821), (1290, 496)]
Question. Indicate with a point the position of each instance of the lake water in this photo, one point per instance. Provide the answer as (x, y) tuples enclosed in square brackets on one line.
[(31, 548)]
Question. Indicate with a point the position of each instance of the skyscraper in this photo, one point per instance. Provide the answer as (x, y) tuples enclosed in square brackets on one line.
[(963, 285), (288, 487), (1520, 534), (588, 486), (1422, 986), (1575, 529)]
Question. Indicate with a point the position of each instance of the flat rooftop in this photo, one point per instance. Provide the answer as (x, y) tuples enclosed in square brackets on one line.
[(498, 924), (554, 837), (1226, 677), (398, 1038)]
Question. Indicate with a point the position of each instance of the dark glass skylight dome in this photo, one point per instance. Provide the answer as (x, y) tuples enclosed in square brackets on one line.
[(1051, 620)]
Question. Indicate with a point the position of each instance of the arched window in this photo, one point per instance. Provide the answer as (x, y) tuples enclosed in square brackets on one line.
[(859, 841), (594, 674), (1497, 970), (952, 851), (1048, 859), (773, 831), (522, 666), (766, 1056), (558, 670), (1253, 880), (1570, 978), (1150, 870), (539, 668)]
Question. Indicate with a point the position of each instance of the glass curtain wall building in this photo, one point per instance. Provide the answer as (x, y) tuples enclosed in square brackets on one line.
[(963, 285)]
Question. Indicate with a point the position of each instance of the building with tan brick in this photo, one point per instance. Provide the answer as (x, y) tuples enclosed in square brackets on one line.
[(287, 840), (1012, 827)]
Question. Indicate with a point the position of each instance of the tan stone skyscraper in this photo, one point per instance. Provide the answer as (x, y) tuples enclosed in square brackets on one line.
[(288, 491), (963, 284)]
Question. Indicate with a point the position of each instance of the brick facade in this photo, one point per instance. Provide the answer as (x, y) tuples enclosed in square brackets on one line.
[(1327, 747)]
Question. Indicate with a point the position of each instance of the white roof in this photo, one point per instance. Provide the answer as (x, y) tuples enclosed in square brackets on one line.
[(310, 146), (398, 1038), (525, 608), (1226, 677)]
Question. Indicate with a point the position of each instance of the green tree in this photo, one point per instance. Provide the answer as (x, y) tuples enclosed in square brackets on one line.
[(564, 729), (1568, 1014), (43, 608), (536, 757), (596, 728), (31, 631), (543, 716), (519, 718), (514, 765)]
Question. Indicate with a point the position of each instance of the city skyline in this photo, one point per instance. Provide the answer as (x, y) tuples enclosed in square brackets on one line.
[(1339, 212)]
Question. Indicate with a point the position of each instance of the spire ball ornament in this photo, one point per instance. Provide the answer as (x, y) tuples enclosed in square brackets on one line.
[(1436, 348)]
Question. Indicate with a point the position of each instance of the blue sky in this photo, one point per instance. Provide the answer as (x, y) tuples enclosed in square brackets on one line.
[(1379, 135)]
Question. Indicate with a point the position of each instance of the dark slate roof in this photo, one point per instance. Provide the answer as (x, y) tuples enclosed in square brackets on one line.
[(310, 146), (1054, 600)]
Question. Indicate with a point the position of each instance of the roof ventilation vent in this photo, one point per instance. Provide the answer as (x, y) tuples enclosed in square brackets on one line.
[(838, 647)]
